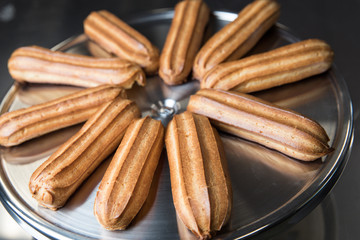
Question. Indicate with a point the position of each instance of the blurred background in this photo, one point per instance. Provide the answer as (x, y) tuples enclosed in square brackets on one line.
[(46, 23)]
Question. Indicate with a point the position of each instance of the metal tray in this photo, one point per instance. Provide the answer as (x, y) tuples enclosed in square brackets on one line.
[(268, 187)]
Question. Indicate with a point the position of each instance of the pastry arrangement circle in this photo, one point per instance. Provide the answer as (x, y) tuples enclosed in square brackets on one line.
[(123, 57)]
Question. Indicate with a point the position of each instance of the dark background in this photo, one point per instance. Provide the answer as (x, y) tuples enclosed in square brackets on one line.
[(46, 23)]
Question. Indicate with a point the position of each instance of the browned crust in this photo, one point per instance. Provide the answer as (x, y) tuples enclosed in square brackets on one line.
[(183, 41), (40, 65), (253, 119), (126, 183), (54, 181), (117, 37), (238, 37), (199, 181), (283, 65), (21, 125)]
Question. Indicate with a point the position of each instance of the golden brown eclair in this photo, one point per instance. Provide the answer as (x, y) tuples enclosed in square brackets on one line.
[(280, 66), (183, 41), (259, 121), (238, 37), (21, 125), (127, 180), (40, 65), (200, 182), (117, 37), (55, 180)]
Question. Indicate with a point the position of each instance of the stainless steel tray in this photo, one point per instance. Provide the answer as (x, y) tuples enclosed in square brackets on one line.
[(268, 187)]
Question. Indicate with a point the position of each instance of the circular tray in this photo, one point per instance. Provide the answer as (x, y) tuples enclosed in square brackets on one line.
[(268, 187)]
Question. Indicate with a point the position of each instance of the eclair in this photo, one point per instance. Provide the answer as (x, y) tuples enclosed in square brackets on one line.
[(35, 64), (200, 183), (280, 66), (127, 180), (24, 124), (183, 41), (117, 37), (55, 180), (259, 121), (239, 36)]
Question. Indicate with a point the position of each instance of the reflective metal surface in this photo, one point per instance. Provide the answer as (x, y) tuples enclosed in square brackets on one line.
[(268, 187)]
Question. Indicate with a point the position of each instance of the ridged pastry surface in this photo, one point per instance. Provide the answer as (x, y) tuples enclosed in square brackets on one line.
[(183, 41), (24, 124), (254, 119), (127, 180), (54, 181), (200, 182), (280, 66), (235, 39), (119, 38), (36, 64)]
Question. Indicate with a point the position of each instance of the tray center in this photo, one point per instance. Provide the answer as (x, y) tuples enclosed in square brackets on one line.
[(161, 101)]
